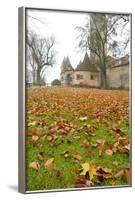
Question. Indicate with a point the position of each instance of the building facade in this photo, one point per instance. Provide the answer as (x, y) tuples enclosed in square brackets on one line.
[(88, 74)]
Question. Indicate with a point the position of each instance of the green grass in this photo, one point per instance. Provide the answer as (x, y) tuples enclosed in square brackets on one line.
[(69, 168)]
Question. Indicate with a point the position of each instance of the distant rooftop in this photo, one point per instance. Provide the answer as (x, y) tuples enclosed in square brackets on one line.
[(86, 65), (66, 65)]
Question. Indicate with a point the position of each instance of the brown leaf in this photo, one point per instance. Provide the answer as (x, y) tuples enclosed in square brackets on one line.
[(85, 143), (58, 173), (32, 133), (40, 157), (82, 181), (49, 137), (77, 157), (53, 129), (119, 174), (49, 163), (127, 175), (34, 165), (100, 150)]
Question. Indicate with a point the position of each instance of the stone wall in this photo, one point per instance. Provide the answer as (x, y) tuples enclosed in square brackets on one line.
[(86, 78), (118, 77)]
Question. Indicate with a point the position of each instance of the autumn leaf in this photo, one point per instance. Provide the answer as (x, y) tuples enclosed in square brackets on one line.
[(92, 172), (127, 175), (58, 173), (85, 143), (35, 138), (85, 168), (119, 174), (82, 181), (77, 157), (66, 154), (49, 163), (49, 137), (32, 123), (40, 156), (34, 165), (109, 152), (83, 118)]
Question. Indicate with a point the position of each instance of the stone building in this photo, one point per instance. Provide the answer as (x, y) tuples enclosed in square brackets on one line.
[(66, 72), (88, 74), (118, 73)]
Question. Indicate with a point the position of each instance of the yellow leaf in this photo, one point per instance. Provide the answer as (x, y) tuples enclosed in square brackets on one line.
[(107, 170), (85, 167), (92, 172)]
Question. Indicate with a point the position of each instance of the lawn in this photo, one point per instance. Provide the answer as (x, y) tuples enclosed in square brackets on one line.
[(77, 137)]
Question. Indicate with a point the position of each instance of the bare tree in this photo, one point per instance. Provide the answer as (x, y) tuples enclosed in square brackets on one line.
[(99, 37), (42, 53)]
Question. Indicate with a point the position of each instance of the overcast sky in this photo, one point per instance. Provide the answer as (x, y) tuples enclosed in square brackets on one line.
[(62, 26)]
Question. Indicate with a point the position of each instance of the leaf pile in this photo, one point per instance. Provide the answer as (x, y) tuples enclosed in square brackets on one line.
[(77, 138)]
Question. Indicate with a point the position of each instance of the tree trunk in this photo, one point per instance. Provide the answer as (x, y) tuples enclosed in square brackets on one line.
[(38, 77), (104, 84)]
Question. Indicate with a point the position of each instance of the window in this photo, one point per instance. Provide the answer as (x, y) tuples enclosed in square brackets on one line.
[(93, 77), (79, 76)]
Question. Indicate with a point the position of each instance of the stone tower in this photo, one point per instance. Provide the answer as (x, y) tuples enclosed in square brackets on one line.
[(66, 72)]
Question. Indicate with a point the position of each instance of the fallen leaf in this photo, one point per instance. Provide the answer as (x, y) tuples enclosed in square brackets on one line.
[(40, 157), (109, 152), (66, 154), (127, 175), (107, 170), (85, 143), (85, 167), (49, 137), (100, 141), (82, 181), (94, 145), (100, 150), (77, 157), (58, 173), (49, 163), (92, 172), (119, 174), (35, 138), (32, 123), (34, 165), (83, 118)]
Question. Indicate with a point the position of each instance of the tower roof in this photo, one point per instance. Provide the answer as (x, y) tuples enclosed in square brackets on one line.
[(66, 65), (86, 65)]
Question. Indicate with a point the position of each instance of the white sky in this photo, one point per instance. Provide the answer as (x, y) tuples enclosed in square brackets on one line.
[(62, 26)]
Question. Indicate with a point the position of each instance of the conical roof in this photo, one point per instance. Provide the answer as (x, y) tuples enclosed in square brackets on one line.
[(86, 65), (66, 65)]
